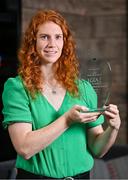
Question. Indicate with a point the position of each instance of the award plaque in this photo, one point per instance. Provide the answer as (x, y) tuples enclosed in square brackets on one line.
[(98, 74)]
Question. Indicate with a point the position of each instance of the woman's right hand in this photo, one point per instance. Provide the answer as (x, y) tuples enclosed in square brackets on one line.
[(80, 114)]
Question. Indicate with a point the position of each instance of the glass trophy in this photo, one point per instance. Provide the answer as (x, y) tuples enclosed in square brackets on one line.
[(98, 74)]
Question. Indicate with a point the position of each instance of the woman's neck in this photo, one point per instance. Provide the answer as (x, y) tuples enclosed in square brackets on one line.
[(48, 74)]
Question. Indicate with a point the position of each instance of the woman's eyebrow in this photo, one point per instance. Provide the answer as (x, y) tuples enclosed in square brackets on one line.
[(50, 34)]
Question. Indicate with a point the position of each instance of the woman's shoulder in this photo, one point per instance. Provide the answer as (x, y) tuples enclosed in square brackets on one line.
[(14, 88), (13, 82), (83, 82), (86, 87)]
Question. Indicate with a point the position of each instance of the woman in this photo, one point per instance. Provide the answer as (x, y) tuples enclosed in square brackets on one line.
[(44, 110)]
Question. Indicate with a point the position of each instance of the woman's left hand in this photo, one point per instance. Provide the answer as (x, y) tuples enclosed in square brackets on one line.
[(112, 115)]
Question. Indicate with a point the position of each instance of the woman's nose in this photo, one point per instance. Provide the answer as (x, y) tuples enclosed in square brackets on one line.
[(51, 42)]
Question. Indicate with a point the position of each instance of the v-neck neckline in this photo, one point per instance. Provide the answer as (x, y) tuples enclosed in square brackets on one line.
[(51, 105)]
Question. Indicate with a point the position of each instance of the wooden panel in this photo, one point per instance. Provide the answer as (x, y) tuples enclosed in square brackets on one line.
[(90, 7)]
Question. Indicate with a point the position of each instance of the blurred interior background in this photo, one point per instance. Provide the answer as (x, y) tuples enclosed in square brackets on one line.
[(100, 29)]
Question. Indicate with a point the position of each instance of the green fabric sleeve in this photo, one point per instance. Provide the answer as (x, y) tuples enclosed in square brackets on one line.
[(15, 102)]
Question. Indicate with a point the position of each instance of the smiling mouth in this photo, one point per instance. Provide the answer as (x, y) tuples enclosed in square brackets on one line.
[(50, 52)]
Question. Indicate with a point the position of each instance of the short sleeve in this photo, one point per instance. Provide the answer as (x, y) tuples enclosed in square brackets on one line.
[(90, 96), (15, 102)]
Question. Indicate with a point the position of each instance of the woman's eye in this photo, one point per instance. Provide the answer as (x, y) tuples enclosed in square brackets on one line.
[(58, 37), (44, 37)]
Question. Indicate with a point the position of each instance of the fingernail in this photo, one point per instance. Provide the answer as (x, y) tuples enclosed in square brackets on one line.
[(85, 108)]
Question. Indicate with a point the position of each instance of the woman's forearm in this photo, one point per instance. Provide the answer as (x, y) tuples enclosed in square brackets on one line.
[(104, 141), (31, 142)]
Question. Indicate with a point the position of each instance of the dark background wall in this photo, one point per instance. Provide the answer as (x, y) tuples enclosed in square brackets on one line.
[(99, 27), (10, 13)]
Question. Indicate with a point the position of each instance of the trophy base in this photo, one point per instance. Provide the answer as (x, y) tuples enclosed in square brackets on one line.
[(96, 110)]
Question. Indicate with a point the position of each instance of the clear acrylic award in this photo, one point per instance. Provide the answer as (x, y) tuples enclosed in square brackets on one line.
[(98, 74)]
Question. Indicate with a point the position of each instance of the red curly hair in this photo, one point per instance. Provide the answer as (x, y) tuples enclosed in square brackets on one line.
[(66, 67)]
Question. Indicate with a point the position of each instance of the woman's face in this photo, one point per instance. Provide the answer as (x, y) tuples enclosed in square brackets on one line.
[(49, 42)]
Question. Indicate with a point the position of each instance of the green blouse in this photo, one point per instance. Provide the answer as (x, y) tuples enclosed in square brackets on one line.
[(68, 155)]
